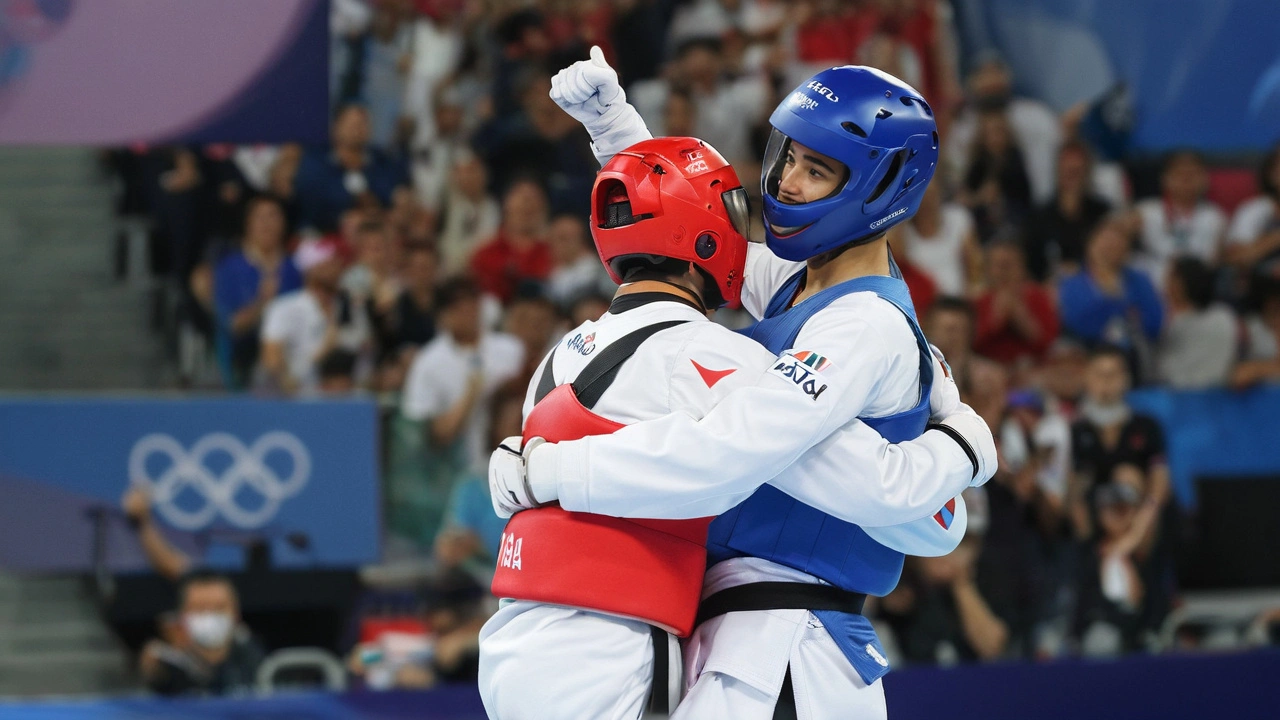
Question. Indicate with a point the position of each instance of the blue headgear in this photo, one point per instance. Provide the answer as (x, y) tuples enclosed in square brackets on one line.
[(884, 133)]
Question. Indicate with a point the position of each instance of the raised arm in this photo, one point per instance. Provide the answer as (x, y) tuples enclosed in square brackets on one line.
[(589, 91)]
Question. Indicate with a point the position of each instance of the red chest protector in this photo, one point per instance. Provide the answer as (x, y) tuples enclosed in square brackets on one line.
[(648, 570)]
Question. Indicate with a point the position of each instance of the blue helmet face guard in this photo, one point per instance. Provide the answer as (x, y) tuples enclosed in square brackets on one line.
[(777, 154), (881, 131)]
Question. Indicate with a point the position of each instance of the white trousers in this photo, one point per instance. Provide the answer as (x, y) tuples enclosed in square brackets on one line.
[(544, 662), (736, 664), (547, 662)]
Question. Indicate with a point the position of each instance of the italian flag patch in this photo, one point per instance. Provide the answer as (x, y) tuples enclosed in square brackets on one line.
[(812, 360)]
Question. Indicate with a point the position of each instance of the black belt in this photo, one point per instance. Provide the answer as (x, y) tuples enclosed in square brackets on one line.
[(780, 596), (659, 699)]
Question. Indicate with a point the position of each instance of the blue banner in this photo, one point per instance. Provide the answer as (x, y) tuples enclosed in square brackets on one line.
[(222, 474), (1215, 434), (1203, 73), (1138, 688)]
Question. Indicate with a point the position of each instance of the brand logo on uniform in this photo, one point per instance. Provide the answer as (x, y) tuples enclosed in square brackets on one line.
[(884, 220), (823, 90), (583, 344), (805, 377), (509, 552)]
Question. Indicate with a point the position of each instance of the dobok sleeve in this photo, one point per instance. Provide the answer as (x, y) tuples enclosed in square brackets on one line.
[(679, 467), (933, 536)]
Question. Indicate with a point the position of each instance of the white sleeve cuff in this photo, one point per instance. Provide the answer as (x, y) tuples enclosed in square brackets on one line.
[(557, 471)]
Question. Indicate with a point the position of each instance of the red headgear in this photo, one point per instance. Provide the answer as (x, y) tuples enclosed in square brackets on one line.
[(672, 197)]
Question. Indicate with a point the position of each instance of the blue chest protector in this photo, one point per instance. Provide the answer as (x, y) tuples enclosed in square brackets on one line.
[(775, 526)]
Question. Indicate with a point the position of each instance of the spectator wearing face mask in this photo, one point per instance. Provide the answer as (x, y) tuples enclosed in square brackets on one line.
[(1107, 432), (1112, 444), (208, 651)]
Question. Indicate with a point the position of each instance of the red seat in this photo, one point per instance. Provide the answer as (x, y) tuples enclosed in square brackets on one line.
[(1228, 187)]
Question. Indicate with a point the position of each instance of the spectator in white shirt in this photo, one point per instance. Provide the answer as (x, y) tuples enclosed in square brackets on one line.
[(941, 241), (1179, 222), (454, 376), (577, 269), (1254, 238), (301, 327), (1198, 346)]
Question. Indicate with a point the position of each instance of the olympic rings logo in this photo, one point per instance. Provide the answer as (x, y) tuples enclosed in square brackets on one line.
[(248, 469)]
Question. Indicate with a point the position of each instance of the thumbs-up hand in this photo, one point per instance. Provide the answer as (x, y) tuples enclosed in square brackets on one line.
[(589, 91)]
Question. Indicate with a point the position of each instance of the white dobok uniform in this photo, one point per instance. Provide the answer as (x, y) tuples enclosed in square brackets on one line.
[(554, 662), (770, 429)]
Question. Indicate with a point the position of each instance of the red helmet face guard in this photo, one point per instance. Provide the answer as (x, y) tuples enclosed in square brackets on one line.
[(673, 198)]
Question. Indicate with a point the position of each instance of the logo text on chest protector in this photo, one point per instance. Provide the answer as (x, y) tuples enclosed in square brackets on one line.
[(509, 551), (804, 377), (583, 344)]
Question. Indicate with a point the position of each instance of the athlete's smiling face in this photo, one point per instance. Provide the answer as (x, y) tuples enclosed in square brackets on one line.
[(809, 175)]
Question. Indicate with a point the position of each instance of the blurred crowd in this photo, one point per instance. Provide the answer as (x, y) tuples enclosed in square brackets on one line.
[(435, 249)]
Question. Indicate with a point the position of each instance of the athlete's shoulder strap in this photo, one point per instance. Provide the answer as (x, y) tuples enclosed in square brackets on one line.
[(782, 321), (599, 374)]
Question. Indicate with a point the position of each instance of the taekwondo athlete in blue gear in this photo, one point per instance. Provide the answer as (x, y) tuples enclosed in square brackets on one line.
[(851, 153), (886, 138)]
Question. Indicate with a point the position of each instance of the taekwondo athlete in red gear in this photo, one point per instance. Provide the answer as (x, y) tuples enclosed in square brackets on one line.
[(781, 627), (589, 597)]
